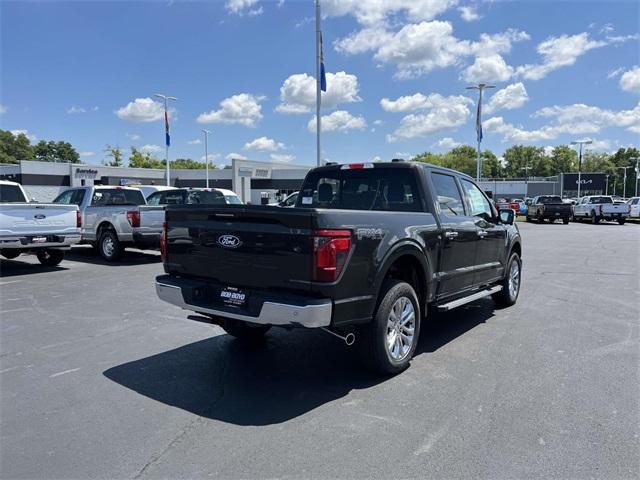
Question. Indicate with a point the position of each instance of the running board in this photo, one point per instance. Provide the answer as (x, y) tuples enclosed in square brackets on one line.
[(471, 298)]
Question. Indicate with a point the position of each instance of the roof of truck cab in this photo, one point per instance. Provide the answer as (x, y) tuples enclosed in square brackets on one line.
[(8, 182), (223, 191), (403, 164)]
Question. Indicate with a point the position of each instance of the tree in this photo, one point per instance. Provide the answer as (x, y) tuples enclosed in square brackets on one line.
[(188, 164), (115, 153), (491, 166), (625, 157), (137, 159), (522, 158), (14, 148), (55, 152), (564, 159)]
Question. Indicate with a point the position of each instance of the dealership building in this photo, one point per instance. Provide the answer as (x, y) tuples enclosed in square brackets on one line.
[(255, 182)]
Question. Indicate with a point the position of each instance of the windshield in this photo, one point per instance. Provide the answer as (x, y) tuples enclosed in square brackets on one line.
[(378, 189), (117, 196), (550, 199), (11, 194)]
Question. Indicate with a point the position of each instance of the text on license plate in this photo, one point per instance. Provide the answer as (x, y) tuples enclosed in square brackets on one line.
[(233, 296)]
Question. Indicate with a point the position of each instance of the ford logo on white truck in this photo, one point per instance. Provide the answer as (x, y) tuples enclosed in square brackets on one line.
[(229, 241)]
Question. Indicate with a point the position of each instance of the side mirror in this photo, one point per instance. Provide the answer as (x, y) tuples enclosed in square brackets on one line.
[(507, 216)]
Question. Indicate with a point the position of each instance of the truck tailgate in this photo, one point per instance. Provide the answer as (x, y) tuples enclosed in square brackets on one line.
[(241, 246), (151, 218), (31, 218)]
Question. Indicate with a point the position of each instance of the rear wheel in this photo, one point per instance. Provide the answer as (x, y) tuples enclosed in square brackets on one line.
[(511, 283), (621, 221), (10, 254), (540, 219), (390, 340), (528, 218), (109, 246), (50, 258), (565, 221), (244, 330), (594, 218)]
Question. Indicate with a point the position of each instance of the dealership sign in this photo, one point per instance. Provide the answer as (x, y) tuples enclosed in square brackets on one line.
[(86, 173), (588, 181)]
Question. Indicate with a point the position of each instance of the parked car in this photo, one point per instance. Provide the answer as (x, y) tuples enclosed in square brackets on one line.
[(600, 207), (522, 206), (506, 203), (149, 189), (549, 207), (44, 229), (367, 251), (634, 207), (289, 201), (114, 218), (190, 196)]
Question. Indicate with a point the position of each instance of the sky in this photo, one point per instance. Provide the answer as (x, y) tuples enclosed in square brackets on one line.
[(87, 71)]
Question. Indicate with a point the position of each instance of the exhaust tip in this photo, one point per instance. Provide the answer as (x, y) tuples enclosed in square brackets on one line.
[(350, 339)]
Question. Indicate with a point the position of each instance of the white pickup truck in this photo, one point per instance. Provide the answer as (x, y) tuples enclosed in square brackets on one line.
[(600, 207), (114, 218), (44, 229)]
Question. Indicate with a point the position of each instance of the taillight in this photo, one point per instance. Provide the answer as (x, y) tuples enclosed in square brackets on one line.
[(78, 219), (356, 166), (163, 242), (330, 252), (134, 218)]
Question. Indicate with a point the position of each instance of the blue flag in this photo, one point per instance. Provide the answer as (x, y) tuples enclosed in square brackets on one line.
[(323, 78), (479, 120), (166, 129)]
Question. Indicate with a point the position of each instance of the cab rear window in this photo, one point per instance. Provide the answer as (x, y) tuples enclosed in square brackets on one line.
[(366, 189), (117, 196), (11, 194)]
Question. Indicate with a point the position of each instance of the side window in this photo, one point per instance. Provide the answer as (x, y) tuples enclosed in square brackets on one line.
[(98, 198), (77, 197), (154, 198), (448, 194), (64, 197), (480, 206)]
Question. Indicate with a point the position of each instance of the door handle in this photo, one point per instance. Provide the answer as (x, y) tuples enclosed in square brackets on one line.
[(482, 233), (450, 234)]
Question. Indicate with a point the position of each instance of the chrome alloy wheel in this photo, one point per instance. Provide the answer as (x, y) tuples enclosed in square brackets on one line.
[(514, 279), (401, 326), (107, 246)]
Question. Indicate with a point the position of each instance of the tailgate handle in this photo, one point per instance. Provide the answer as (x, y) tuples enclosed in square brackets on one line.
[(224, 214)]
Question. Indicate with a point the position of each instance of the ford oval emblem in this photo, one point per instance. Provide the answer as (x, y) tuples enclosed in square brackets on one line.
[(229, 241), (40, 216)]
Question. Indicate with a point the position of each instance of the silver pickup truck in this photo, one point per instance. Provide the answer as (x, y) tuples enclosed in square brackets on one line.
[(114, 218), (44, 229)]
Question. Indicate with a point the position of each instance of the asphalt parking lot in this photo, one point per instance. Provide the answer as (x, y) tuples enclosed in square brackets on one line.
[(100, 379)]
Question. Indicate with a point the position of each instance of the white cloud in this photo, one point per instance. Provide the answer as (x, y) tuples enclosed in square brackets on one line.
[(376, 12), (244, 109), (630, 81), (511, 97), (87, 154), (264, 144), (141, 110), (3, 109), (362, 41), (243, 7), (133, 136), (469, 13), (298, 92), (195, 141), (378, 122), (26, 133), (151, 148), (338, 121), (236, 156), (490, 68), (568, 119), (443, 113), (615, 73), (558, 52), (280, 157), (448, 142), (212, 157), (406, 103), (73, 109)]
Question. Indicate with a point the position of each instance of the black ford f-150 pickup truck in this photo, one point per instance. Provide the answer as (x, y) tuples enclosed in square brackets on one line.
[(550, 207), (364, 254)]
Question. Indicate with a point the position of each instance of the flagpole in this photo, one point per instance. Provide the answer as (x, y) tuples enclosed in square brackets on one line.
[(167, 141), (480, 87), (318, 95)]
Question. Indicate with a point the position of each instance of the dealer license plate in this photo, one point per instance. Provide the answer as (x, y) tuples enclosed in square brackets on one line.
[(233, 296)]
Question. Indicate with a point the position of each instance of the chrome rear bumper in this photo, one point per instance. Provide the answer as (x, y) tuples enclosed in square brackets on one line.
[(313, 315)]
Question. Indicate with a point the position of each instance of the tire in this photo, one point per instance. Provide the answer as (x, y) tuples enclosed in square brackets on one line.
[(50, 258), (509, 296), (528, 218), (250, 332), (109, 246), (10, 254), (540, 219), (594, 218), (621, 221), (400, 302), (565, 221)]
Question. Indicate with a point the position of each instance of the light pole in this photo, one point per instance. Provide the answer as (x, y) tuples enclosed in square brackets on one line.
[(581, 143), (526, 169), (480, 87), (606, 191), (166, 130), (624, 181), (637, 169), (206, 153)]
